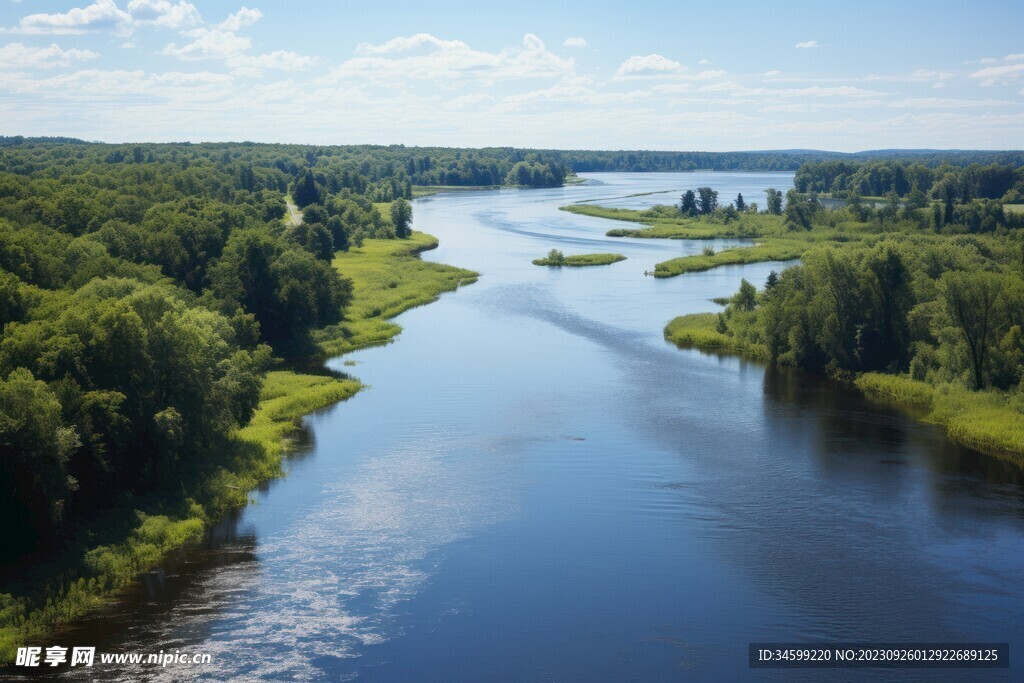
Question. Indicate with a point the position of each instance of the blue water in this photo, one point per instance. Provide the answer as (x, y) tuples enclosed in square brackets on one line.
[(536, 487)]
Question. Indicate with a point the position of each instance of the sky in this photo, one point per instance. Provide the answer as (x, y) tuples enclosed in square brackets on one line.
[(713, 76)]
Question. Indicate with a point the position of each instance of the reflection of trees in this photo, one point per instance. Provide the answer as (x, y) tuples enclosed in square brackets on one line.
[(845, 424), (137, 621)]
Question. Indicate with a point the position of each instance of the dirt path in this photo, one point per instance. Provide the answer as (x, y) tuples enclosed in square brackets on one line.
[(294, 215)]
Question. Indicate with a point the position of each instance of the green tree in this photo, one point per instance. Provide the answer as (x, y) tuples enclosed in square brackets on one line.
[(707, 200), (688, 203), (746, 298), (35, 444), (401, 216), (773, 201), (971, 299), (741, 205), (307, 191)]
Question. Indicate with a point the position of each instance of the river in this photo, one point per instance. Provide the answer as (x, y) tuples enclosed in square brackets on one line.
[(536, 487)]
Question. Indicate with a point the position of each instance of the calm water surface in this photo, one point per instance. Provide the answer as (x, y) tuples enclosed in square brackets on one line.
[(536, 487)]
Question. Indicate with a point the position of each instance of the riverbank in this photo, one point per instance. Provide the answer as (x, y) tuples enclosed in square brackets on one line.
[(989, 421), (388, 278)]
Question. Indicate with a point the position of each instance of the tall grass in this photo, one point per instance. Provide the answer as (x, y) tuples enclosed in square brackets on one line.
[(388, 277), (772, 250), (579, 260), (700, 331)]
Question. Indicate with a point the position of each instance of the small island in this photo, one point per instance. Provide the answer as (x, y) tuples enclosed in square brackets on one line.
[(557, 258)]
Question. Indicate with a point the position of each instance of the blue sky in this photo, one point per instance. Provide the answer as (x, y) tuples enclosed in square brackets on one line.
[(597, 75)]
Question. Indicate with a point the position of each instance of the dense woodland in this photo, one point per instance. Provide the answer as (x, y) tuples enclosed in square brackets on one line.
[(914, 180)]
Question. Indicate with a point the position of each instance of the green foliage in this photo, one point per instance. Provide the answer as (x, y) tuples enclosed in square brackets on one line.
[(535, 174), (401, 216)]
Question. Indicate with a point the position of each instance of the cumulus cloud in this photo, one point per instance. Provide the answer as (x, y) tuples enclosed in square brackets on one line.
[(574, 41), (773, 72), (222, 43), (164, 13), (19, 56), (410, 43), (427, 57), (102, 15), (807, 44), (105, 15), (648, 65), (240, 19), (938, 85)]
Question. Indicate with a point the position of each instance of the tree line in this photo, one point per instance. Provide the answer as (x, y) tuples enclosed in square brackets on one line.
[(944, 182)]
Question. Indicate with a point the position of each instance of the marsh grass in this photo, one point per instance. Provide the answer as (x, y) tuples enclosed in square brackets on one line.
[(581, 260), (772, 250), (388, 277), (700, 331), (988, 421)]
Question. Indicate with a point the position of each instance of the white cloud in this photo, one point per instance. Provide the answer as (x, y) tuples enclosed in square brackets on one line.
[(221, 42), (938, 85), (164, 13), (999, 75), (19, 56), (574, 41), (240, 19), (648, 65), (410, 43), (703, 62), (773, 72), (807, 44), (102, 15), (209, 43), (450, 62)]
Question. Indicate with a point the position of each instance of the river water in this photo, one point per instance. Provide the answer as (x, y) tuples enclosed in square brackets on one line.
[(536, 487)]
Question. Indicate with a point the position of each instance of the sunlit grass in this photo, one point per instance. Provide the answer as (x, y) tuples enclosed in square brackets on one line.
[(988, 421), (772, 250), (388, 277), (700, 331)]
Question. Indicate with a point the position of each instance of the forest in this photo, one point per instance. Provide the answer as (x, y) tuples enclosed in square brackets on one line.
[(914, 180)]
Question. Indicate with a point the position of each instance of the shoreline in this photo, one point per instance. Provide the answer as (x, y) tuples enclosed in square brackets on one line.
[(976, 420), (381, 291)]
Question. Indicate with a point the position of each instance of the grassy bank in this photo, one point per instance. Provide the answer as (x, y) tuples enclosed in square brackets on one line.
[(771, 250), (580, 260), (987, 421), (388, 278), (700, 331)]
